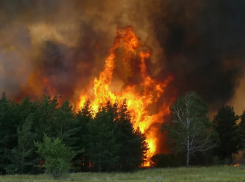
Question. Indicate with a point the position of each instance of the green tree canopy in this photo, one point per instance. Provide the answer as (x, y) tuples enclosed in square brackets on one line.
[(226, 125), (133, 145), (106, 141), (8, 128), (103, 148), (22, 155), (57, 156), (189, 129)]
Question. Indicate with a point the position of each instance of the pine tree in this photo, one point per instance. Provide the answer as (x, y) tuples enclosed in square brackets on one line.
[(8, 128), (81, 161), (44, 117), (25, 108), (63, 121), (132, 142), (70, 130), (225, 123), (22, 155), (103, 148)]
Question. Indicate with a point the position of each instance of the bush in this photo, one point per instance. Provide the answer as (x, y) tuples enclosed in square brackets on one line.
[(57, 156), (11, 169), (165, 160)]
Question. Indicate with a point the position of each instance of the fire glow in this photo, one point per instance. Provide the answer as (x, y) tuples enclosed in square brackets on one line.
[(139, 97)]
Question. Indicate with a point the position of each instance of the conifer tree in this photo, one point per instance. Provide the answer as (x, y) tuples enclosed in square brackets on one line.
[(225, 123), (132, 142), (84, 115), (8, 134), (22, 155), (103, 148)]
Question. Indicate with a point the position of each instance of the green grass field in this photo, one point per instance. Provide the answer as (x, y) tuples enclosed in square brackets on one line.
[(205, 174)]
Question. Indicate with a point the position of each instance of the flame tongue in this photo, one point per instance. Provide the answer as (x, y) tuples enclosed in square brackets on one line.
[(138, 102)]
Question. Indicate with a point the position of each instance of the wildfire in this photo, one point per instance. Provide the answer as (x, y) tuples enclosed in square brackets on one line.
[(140, 97)]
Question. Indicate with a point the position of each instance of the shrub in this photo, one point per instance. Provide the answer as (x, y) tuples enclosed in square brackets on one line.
[(165, 160), (57, 156)]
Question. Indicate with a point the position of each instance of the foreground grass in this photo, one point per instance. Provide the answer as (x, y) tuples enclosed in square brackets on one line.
[(202, 174)]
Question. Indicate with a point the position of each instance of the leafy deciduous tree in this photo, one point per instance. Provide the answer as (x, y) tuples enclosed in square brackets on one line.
[(189, 129), (57, 156)]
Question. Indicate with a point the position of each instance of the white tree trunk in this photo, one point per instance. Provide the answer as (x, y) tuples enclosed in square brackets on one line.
[(188, 152)]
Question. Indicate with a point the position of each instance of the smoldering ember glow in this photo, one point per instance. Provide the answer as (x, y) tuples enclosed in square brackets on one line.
[(139, 96)]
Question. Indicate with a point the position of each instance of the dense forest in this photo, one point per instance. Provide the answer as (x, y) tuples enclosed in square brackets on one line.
[(105, 141), (43, 135)]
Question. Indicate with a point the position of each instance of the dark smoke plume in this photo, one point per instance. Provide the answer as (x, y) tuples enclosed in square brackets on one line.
[(204, 46), (59, 45)]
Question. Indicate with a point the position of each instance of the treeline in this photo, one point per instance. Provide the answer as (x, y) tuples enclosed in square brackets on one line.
[(191, 134), (41, 135), (32, 131)]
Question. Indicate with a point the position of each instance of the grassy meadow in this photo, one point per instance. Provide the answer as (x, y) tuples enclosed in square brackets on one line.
[(202, 174)]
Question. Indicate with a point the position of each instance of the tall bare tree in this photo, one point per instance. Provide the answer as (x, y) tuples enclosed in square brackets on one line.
[(189, 129)]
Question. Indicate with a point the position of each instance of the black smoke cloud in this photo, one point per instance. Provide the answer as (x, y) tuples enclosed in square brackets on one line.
[(204, 46), (200, 43)]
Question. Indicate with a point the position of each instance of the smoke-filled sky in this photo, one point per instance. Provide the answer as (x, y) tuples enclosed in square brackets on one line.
[(58, 46)]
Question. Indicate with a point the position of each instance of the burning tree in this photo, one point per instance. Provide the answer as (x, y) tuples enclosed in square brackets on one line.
[(189, 129), (113, 142), (141, 95), (126, 76)]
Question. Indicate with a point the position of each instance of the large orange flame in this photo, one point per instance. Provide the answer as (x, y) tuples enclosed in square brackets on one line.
[(138, 101)]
